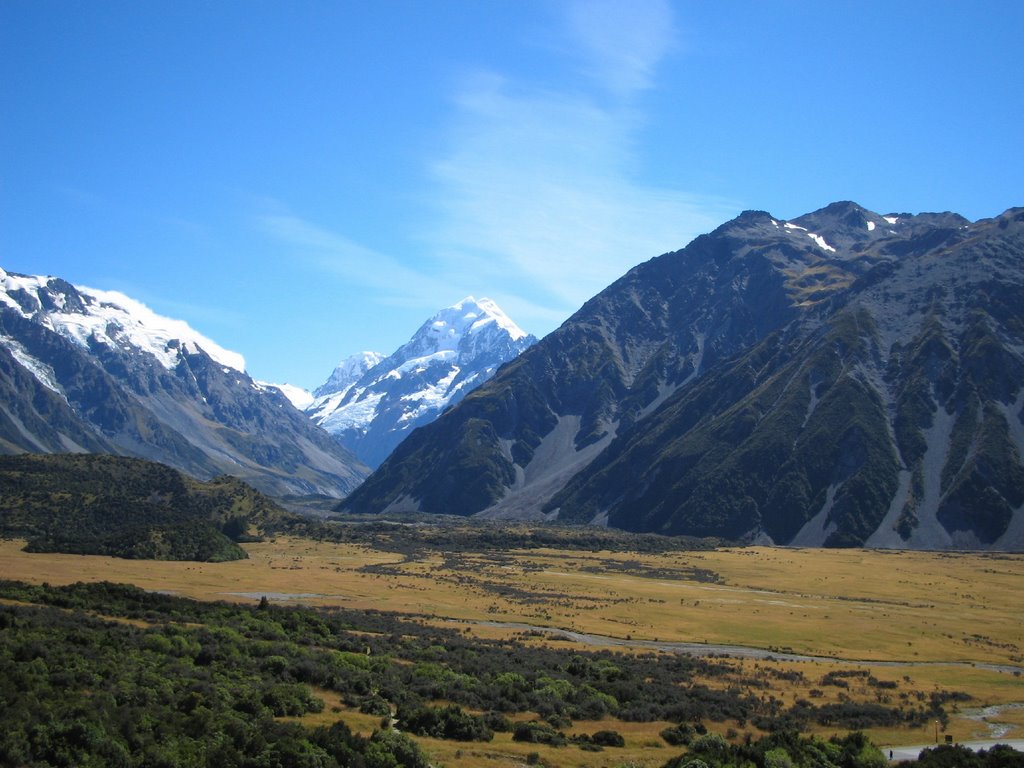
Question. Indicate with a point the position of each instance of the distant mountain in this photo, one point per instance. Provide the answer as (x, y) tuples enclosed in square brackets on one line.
[(83, 370), (371, 402), (111, 505), (840, 379)]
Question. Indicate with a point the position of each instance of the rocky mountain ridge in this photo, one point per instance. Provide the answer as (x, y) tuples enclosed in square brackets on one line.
[(83, 370), (843, 378)]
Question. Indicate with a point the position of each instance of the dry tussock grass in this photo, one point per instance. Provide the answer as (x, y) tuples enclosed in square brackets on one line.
[(904, 607)]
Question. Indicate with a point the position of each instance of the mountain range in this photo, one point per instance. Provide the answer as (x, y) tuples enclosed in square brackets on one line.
[(371, 401), (841, 379), (83, 370)]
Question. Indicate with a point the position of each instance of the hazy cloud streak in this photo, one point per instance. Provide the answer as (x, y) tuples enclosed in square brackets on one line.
[(355, 263), (621, 43), (536, 202), (537, 183)]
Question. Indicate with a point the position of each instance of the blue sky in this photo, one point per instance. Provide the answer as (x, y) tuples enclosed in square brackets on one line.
[(304, 180)]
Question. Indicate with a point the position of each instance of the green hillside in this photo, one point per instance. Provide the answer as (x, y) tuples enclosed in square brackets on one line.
[(112, 505)]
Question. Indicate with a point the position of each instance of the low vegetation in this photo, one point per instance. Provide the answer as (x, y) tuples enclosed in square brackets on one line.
[(112, 505), (451, 641), (415, 535), (104, 674)]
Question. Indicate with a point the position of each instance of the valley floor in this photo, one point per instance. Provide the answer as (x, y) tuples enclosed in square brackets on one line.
[(921, 621)]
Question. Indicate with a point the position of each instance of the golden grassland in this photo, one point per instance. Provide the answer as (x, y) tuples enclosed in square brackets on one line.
[(850, 604), (643, 748), (930, 619)]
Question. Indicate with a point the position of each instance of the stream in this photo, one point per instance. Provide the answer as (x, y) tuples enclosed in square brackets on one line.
[(739, 651)]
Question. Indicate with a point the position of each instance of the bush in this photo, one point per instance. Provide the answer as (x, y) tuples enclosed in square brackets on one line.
[(291, 699), (497, 722), (557, 720), (679, 735), (447, 723), (388, 749), (538, 733), (608, 739), (375, 705), (710, 744)]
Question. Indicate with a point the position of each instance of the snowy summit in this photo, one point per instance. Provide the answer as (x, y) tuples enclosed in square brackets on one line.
[(371, 402)]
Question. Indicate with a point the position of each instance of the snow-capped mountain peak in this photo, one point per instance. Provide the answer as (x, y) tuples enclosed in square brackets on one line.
[(79, 314), (96, 371), (470, 316), (370, 403), (457, 329)]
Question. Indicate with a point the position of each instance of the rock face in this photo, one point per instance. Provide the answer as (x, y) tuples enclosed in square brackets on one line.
[(93, 371), (371, 402), (841, 379)]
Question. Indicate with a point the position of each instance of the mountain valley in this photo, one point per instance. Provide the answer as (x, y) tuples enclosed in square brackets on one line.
[(565, 591)]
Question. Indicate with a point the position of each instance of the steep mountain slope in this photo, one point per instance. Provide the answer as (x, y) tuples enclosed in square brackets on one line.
[(348, 372), (841, 379), (371, 402), (87, 370)]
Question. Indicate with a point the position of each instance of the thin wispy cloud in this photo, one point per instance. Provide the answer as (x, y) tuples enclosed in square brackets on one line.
[(535, 202), (537, 183), (621, 44), (356, 264)]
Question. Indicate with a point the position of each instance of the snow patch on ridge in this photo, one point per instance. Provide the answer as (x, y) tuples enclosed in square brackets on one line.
[(821, 242), (44, 374), (816, 238), (354, 415), (297, 396), (111, 318)]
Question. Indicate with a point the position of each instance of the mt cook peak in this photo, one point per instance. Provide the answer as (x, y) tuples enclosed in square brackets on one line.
[(371, 402)]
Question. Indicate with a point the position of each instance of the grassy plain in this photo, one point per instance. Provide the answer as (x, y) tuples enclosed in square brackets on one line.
[(924, 621)]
